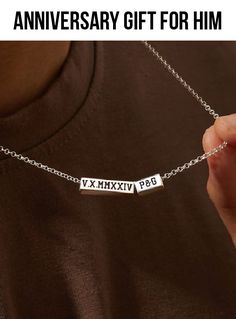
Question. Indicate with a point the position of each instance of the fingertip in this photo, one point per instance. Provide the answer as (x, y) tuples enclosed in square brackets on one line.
[(205, 140), (225, 127), (210, 139)]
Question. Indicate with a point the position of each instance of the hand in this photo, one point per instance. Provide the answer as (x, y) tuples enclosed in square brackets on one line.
[(221, 185)]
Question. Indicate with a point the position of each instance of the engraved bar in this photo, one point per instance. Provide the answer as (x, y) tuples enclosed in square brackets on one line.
[(96, 186), (149, 184)]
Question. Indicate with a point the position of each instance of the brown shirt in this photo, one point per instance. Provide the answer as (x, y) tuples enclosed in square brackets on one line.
[(115, 112)]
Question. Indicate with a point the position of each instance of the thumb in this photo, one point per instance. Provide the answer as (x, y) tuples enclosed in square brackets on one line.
[(221, 185)]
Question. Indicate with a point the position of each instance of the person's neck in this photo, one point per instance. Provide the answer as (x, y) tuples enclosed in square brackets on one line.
[(26, 70)]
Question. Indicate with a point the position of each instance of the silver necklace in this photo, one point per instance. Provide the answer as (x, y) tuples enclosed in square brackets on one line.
[(146, 185)]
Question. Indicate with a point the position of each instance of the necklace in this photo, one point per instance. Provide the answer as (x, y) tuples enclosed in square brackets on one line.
[(146, 185)]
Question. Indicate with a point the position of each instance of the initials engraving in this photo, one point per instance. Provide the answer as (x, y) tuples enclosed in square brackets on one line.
[(149, 184), (96, 186)]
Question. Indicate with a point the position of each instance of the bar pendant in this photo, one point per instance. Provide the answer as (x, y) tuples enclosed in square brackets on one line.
[(96, 186), (149, 184)]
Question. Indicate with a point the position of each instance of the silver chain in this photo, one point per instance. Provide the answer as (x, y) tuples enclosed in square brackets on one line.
[(203, 103), (181, 80), (173, 172), (27, 160), (195, 161)]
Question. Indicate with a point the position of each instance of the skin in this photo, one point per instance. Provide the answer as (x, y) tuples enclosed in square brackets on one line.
[(221, 185), (27, 68)]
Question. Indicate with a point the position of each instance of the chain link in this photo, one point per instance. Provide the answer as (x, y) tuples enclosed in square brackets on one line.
[(27, 160), (195, 161), (203, 103), (181, 80), (173, 172)]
